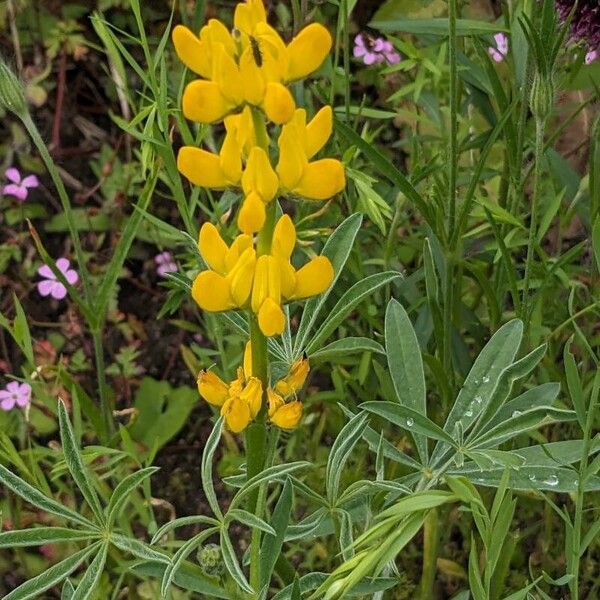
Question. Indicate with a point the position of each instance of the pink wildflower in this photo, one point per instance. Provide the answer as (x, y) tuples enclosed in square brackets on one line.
[(50, 286), (19, 188), (15, 394), (164, 263), (591, 56), (375, 50), (501, 50)]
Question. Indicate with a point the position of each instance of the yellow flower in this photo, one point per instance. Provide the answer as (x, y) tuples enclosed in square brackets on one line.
[(284, 415), (251, 66), (228, 283), (298, 143), (295, 378), (237, 278), (276, 280), (240, 401)]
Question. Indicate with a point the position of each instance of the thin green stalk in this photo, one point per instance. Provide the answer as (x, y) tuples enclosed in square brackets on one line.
[(105, 408), (430, 552), (583, 474), (540, 127)]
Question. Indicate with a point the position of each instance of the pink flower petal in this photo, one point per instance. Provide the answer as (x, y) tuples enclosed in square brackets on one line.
[(45, 287), (59, 291), (31, 181), (63, 264), (13, 387), (18, 191), (71, 276), (495, 55), (46, 272), (359, 51), (393, 58), (13, 175), (359, 40), (591, 56), (371, 58), (7, 403)]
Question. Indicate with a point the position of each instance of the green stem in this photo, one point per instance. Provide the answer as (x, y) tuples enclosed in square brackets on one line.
[(105, 407), (540, 126), (430, 552)]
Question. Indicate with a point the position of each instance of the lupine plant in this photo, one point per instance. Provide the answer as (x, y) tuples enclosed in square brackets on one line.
[(446, 398)]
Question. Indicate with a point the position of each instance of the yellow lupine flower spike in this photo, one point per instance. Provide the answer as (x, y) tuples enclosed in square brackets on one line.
[(298, 143)]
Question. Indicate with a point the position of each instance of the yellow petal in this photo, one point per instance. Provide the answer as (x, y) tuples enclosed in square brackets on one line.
[(248, 359), (292, 158), (231, 159), (248, 15), (227, 74), (202, 168), (241, 277), (211, 292), (252, 214), (313, 278), (260, 287), (318, 131), (288, 277), (284, 238), (192, 52), (253, 78), (295, 378), (259, 175), (212, 248), (307, 51), (252, 393), (212, 388), (278, 103), (322, 179), (288, 416), (271, 319), (275, 401), (274, 279), (204, 102), (236, 413), (215, 32), (239, 245)]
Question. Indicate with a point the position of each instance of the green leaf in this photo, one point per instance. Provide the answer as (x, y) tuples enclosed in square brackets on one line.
[(347, 302), (43, 535), (207, 468), (406, 365), (408, 419), (574, 384), (481, 381), (272, 544), (76, 467), (53, 576), (345, 346), (91, 577), (37, 499), (336, 249), (500, 214), (67, 591), (437, 26), (137, 548), (418, 501), (249, 519), (123, 490), (340, 452), (232, 565), (596, 241), (182, 522), (21, 331), (172, 569)]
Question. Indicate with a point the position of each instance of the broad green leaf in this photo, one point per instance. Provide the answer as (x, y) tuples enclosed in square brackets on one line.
[(272, 544), (408, 419), (437, 26), (91, 577), (53, 576), (38, 536), (336, 249), (231, 563), (37, 499), (481, 381), (345, 346), (340, 452), (76, 467), (406, 365), (346, 303), (207, 468), (124, 489)]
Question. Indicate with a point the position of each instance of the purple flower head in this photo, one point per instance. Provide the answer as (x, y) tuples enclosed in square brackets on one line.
[(501, 49), (591, 56), (50, 286), (585, 25), (165, 263), (15, 394), (19, 188), (374, 51)]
